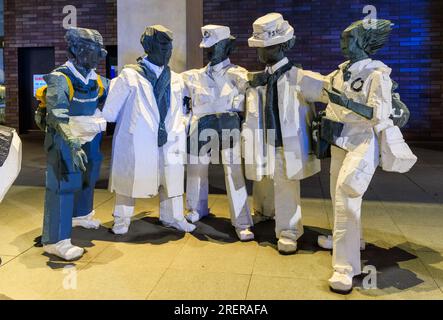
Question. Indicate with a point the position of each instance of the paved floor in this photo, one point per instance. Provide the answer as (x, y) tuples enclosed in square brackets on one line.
[(402, 219)]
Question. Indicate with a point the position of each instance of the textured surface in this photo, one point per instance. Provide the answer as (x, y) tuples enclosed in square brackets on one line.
[(402, 220), (5, 143)]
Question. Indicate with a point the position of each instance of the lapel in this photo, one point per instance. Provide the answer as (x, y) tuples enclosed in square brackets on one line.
[(175, 87), (147, 90), (288, 98), (283, 95)]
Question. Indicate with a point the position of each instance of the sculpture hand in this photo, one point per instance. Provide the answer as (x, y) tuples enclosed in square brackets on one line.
[(79, 158), (337, 97)]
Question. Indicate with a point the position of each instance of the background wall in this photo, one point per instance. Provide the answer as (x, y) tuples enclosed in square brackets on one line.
[(38, 23), (135, 15), (183, 17), (415, 50)]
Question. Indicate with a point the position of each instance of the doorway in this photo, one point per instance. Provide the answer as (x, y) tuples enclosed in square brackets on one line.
[(33, 63)]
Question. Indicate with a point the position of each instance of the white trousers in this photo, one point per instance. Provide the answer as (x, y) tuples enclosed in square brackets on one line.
[(197, 187), (171, 208), (281, 195), (351, 172)]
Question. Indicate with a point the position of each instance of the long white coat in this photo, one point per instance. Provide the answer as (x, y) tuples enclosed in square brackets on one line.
[(135, 156), (295, 89)]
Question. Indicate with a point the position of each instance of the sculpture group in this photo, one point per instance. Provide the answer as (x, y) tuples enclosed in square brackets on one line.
[(261, 126)]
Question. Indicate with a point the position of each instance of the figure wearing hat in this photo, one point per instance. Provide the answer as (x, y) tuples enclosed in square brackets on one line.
[(276, 131), (74, 127), (149, 148), (217, 95), (360, 101)]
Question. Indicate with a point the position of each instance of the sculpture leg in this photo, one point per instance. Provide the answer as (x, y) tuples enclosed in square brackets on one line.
[(123, 211), (236, 190), (353, 180), (62, 182), (84, 201), (171, 207), (288, 223), (197, 188), (337, 157)]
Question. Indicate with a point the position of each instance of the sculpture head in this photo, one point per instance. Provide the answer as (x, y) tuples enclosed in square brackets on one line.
[(217, 42), (273, 54), (273, 37), (85, 48), (157, 43), (364, 38)]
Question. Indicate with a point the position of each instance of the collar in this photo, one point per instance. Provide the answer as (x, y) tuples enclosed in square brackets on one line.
[(219, 66), (272, 69), (357, 66), (91, 76), (154, 68)]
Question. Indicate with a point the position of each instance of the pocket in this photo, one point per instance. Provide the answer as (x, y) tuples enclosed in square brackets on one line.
[(203, 96)]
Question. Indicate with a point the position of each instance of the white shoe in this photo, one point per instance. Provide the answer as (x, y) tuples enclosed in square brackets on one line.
[(244, 234), (121, 225), (64, 249), (326, 242), (340, 283), (193, 216), (183, 225), (287, 243), (87, 222)]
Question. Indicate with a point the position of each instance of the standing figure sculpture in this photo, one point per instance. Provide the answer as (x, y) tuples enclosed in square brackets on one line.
[(217, 95), (276, 131), (360, 106), (10, 159), (149, 148), (70, 115)]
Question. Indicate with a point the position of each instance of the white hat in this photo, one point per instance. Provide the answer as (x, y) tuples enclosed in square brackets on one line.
[(270, 30), (212, 34)]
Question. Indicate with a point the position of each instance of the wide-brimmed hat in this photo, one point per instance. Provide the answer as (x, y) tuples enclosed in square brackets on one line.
[(270, 30)]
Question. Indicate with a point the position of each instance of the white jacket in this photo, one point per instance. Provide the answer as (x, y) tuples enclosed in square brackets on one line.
[(370, 84), (216, 89), (135, 159), (296, 88)]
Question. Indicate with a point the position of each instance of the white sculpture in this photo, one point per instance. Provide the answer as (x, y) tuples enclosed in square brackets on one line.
[(149, 147), (217, 95), (276, 131), (360, 100), (10, 159)]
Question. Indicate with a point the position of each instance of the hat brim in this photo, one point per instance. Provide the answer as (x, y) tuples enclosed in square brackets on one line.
[(259, 43)]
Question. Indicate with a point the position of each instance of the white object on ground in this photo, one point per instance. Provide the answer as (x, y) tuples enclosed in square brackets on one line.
[(193, 216), (12, 166), (340, 282), (183, 225), (244, 234), (325, 242), (87, 222), (64, 249)]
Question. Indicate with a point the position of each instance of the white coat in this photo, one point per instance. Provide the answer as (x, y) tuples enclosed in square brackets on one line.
[(135, 156), (296, 88), (12, 165), (216, 89)]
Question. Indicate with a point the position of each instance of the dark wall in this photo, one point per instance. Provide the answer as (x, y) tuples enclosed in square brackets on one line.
[(38, 23), (414, 52)]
